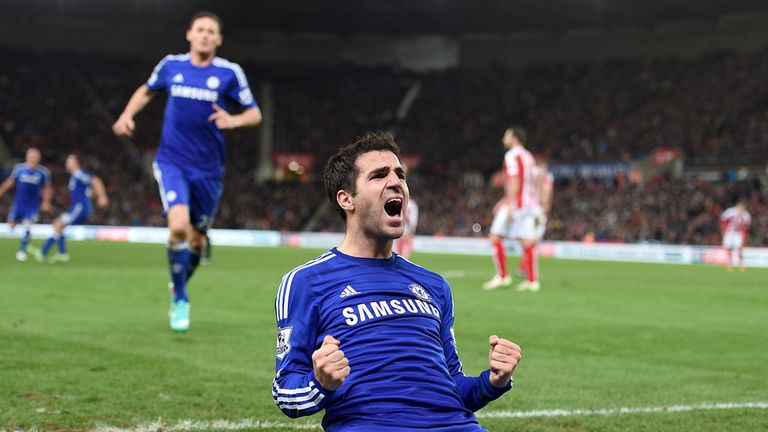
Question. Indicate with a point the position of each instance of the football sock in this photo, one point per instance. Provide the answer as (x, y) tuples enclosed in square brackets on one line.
[(25, 241), (530, 260), (735, 257), (500, 259), (178, 261), (62, 244), (194, 261), (523, 264), (48, 243)]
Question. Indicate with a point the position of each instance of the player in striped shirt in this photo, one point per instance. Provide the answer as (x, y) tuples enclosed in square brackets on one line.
[(734, 225), (543, 192), (514, 214), (366, 335)]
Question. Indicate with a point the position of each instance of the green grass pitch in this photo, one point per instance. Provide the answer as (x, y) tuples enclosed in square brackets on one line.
[(86, 343)]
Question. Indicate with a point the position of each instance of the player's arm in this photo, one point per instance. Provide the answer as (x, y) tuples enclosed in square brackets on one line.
[(723, 224), (47, 196), (102, 200), (224, 120), (47, 191), (306, 375), (475, 392), (547, 192), (7, 184), (239, 92), (124, 126)]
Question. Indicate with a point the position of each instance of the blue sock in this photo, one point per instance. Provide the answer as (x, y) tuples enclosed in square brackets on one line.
[(62, 244), (178, 261), (48, 243), (194, 261), (24, 241)]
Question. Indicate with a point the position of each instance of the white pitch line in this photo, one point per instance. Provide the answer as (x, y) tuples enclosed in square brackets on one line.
[(623, 410), (193, 425), (252, 424)]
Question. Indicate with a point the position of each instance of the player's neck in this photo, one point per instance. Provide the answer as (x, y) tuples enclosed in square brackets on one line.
[(201, 59), (357, 244)]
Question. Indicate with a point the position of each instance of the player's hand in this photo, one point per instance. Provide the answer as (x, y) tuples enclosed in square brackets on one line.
[(503, 357), (102, 202), (124, 126), (223, 119), (330, 365)]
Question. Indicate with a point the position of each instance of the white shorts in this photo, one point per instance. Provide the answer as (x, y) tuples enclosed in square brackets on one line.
[(522, 225), (733, 240)]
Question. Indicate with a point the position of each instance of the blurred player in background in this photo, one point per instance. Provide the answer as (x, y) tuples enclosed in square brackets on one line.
[(82, 186), (404, 245), (734, 225), (33, 185), (513, 214), (189, 164), (367, 335), (544, 182)]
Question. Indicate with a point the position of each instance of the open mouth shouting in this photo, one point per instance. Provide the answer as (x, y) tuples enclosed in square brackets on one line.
[(394, 208)]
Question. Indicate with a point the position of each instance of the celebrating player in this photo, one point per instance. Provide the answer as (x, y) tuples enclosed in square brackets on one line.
[(404, 245), (367, 335), (82, 185), (189, 165), (513, 214), (734, 225), (543, 191), (33, 183)]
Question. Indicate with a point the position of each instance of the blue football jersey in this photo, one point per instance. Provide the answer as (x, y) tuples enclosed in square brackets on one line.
[(188, 139), (394, 321), (29, 185), (81, 187)]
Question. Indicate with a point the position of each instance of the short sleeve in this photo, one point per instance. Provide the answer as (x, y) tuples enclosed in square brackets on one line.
[(240, 92), (158, 80)]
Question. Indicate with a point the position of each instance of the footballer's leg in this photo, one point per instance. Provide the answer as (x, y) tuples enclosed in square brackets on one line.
[(197, 245), (178, 260), (21, 254), (205, 194), (174, 192), (499, 228), (54, 239)]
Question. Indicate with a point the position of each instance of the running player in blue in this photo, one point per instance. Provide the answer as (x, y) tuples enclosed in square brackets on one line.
[(367, 335), (33, 184), (189, 164), (82, 185)]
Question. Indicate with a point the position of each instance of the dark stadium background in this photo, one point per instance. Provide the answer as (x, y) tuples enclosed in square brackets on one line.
[(673, 90)]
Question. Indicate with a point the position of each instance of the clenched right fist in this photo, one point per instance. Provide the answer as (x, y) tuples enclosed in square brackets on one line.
[(330, 365)]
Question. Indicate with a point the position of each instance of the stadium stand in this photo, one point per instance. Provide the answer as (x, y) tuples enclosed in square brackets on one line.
[(711, 108)]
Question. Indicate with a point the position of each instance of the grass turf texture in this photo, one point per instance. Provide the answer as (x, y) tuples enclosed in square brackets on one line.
[(87, 343)]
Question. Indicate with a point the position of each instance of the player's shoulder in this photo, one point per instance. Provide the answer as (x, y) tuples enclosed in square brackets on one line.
[(83, 175), (20, 167), (221, 62), (310, 267), (231, 67), (422, 272), (173, 61), (44, 170), (176, 58)]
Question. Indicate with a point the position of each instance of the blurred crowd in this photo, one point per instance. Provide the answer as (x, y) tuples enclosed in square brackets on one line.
[(714, 109)]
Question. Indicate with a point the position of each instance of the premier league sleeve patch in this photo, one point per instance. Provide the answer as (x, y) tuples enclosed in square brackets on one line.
[(283, 341)]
